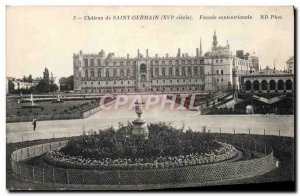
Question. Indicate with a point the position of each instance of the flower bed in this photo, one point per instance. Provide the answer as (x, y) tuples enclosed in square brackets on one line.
[(224, 152)]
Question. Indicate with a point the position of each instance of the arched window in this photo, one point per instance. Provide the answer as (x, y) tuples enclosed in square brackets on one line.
[(196, 71), (156, 62), (143, 68), (122, 73), (183, 71), (86, 62), (163, 71), (264, 85), (92, 62), (115, 73), (248, 86), (256, 85), (217, 72), (221, 72), (86, 73), (272, 85), (170, 62), (128, 72), (107, 73), (189, 71), (170, 71), (280, 85), (92, 73), (115, 63), (121, 63), (151, 72), (99, 62), (289, 85), (156, 71), (177, 71), (176, 62)]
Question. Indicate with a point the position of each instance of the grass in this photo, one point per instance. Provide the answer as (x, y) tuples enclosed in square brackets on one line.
[(13, 108), (283, 150)]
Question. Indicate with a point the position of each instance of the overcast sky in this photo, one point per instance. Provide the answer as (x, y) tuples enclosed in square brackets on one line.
[(39, 37)]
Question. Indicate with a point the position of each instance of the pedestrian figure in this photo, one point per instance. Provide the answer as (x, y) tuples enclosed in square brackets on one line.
[(34, 123)]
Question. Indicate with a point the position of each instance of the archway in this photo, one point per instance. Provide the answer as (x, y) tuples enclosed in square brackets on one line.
[(256, 85), (280, 85), (289, 85), (248, 86), (264, 85), (272, 85)]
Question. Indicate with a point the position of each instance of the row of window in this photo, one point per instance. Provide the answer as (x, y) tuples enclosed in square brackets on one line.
[(157, 72), (93, 62), (171, 71), (177, 62), (128, 82), (272, 85), (218, 61), (152, 89), (221, 72)]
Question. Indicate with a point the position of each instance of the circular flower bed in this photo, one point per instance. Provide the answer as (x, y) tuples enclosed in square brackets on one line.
[(118, 149)]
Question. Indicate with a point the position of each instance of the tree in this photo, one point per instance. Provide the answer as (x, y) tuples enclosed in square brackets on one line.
[(46, 75), (24, 79), (29, 79), (43, 86), (11, 86), (53, 87), (67, 84)]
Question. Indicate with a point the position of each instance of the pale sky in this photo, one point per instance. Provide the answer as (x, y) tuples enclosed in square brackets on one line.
[(39, 37)]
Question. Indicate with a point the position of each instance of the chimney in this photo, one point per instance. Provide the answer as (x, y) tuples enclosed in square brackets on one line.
[(138, 53), (167, 55), (179, 53), (197, 52), (147, 53), (186, 54), (128, 56), (156, 55)]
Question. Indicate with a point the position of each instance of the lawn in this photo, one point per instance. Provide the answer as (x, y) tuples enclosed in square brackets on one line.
[(14, 108)]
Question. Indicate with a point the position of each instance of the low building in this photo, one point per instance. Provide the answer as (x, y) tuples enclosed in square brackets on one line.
[(22, 85), (267, 81)]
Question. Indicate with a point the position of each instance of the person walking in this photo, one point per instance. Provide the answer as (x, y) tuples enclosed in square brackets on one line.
[(34, 123)]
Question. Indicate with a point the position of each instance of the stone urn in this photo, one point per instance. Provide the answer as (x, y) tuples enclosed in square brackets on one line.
[(140, 125)]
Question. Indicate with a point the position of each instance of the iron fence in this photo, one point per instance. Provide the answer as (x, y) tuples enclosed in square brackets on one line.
[(263, 162)]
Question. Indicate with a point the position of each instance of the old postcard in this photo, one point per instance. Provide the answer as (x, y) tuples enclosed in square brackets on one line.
[(147, 98)]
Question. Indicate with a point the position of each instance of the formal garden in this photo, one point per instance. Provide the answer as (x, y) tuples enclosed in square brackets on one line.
[(166, 147), (18, 112)]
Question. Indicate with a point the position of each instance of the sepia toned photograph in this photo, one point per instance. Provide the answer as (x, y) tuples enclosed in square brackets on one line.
[(150, 98)]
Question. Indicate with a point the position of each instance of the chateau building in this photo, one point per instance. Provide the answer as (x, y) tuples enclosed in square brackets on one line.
[(213, 71), (290, 65)]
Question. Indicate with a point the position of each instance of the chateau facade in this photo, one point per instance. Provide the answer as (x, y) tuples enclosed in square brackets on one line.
[(101, 73)]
